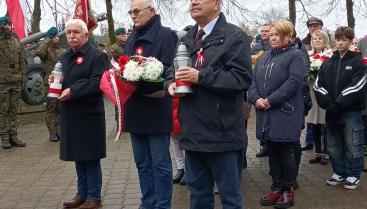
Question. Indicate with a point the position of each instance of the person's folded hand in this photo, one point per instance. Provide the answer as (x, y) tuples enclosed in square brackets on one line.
[(334, 109)]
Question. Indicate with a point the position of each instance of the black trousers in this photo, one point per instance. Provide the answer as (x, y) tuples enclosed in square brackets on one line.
[(319, 138), (297, 155), (283, 164)]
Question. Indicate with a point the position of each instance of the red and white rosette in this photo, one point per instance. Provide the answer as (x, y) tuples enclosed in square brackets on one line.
[(200, 60)]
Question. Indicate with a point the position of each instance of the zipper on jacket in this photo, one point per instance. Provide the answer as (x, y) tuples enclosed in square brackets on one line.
[(337, 77), (269, 66)]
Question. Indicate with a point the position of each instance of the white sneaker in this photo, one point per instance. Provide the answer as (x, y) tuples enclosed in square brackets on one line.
[(335, 180), (351, 182)]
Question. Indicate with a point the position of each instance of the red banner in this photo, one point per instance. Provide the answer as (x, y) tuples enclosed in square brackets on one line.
[(84, 12), (17, 14)]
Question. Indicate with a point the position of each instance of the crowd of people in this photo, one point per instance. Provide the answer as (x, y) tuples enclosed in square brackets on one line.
[(317, 84), (335, 121)]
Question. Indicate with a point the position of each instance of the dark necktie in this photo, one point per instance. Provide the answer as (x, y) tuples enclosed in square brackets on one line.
[(199, 37)]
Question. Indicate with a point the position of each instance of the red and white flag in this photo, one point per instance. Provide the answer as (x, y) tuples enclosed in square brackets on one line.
[(18, 17), (84, 12)]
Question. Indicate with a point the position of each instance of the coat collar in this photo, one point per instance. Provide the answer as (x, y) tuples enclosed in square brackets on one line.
[(217, 32), (348, 55), (149, 30), (282, 49), (82, 50)]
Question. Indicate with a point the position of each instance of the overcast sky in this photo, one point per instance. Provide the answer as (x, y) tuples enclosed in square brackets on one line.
[(182, 18)]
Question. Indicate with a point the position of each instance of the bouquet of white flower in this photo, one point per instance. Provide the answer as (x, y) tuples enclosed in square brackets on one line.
[(141, 68), (129, 75)]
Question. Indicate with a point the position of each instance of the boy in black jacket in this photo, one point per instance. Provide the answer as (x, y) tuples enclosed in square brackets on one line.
[(340, 90)]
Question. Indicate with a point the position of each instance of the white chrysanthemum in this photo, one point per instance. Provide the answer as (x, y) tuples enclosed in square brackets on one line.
[(132, 71), (316, 64), (153, 69)]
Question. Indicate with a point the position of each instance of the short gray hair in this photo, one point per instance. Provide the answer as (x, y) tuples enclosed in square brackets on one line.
[(78, 22), (150, 3)]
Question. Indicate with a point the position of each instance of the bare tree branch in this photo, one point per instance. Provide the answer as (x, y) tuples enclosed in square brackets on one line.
[(308, 15)]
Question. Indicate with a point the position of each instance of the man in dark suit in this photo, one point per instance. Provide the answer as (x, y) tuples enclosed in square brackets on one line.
[(82, 118), (212, 124), (148, 112)]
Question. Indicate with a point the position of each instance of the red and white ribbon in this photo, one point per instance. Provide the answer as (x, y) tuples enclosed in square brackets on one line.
[(115, 90), (200, 59)]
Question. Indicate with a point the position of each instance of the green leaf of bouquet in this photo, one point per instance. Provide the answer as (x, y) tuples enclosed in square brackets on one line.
[(158, 80)]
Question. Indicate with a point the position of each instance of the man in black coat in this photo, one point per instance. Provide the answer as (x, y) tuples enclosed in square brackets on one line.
[(82, 118), (211, 118), (313, 23), (148, 112)]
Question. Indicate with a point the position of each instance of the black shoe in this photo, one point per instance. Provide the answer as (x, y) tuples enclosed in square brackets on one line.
[(14, 141), (315, 159), (324, 160), (262, 153), (307, 146), (180, 173), (183, 180)]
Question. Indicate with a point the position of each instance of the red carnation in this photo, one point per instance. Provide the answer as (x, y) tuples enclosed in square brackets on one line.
[(325, 58), (357, 51), (315, 56), (122, 62)]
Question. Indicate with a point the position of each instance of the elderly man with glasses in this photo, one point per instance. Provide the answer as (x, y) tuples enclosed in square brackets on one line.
[(148, 118)]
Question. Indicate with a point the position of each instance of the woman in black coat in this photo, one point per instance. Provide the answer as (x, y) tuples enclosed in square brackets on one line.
[(82, 119), (276, 92)]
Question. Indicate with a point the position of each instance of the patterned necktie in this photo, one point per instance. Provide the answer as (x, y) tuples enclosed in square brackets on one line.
[(199, 37)]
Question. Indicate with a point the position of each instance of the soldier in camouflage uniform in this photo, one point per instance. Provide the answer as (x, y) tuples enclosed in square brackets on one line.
[(117, 49), (12, 71), (49, 51)]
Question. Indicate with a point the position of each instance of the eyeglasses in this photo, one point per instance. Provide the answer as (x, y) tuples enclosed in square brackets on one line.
[(136, 11)]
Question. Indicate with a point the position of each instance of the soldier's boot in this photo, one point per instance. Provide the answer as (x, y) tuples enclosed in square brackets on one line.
[(5, 143), (54, 137), (14, 141)]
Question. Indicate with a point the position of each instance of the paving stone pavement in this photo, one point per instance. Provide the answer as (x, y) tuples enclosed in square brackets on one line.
[(34, 177)]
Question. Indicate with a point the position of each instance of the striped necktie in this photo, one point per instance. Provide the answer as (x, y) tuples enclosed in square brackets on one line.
[(199, 37)]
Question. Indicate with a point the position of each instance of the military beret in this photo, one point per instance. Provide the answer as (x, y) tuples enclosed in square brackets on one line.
[(314, 20), (52, 32), (119, 31), (258, 37), (4, 20)]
